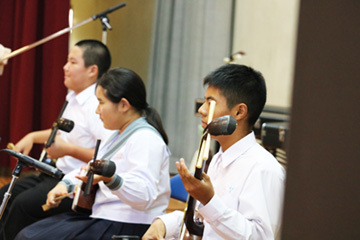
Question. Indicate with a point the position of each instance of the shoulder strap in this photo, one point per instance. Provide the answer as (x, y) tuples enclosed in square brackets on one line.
[(136, 125)]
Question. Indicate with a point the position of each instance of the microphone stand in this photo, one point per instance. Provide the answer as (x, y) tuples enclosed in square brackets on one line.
[(105, 25), (7, 195), (101, 15), (104, 20)]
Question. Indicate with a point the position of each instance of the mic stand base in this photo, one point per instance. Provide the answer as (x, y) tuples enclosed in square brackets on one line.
[(16, 173)]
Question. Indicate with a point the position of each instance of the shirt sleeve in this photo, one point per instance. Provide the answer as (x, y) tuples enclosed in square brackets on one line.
[(258, 211), (143, 166), (70, 181), (71, 176), (172, 222)]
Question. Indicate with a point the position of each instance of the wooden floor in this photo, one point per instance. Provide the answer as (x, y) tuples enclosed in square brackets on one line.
[(6, 175), (4, 181), (175, 205)]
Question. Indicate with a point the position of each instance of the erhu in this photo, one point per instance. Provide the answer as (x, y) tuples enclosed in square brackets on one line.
[(192, 227), (60, 123)]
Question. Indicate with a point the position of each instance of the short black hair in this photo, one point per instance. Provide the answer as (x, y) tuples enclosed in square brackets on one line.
[(240, 84), (95, 53)]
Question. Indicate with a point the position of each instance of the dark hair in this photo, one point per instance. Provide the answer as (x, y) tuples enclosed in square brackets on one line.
[(96, 53), (240, 84), (121, 83)]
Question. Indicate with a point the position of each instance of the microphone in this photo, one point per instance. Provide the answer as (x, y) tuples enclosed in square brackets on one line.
[(225, 125), (103, 14), (29, 161)]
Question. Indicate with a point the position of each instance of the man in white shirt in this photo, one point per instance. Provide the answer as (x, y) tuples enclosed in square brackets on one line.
[(3, 52), (242, 195), (87, 61)]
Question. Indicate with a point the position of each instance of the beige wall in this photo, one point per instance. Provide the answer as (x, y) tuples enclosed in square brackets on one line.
[(129, 40), (266, 31)]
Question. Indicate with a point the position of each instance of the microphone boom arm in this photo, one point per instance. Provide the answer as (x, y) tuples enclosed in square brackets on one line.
[(24, 161), (44, 40), (57, 34)]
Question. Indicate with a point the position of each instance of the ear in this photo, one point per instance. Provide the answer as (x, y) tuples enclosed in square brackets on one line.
[(124, 105), (93, 71), (240, 111)]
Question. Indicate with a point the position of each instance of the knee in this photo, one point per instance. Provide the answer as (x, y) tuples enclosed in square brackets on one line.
[(20, 235), (25, 202)]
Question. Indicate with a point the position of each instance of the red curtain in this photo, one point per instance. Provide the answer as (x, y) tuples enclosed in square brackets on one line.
[(31, 87)]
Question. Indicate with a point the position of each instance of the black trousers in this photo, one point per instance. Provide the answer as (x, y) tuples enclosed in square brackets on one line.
[(25, 204)]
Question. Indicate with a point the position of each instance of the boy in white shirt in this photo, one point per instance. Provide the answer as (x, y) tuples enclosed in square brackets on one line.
[(87, 61), (241, 195)]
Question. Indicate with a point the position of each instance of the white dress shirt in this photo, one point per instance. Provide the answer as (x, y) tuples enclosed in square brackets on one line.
[(143, 164), (249, 186), (87, 129)]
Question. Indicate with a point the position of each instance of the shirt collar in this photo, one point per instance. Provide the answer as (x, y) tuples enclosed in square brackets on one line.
[(237, 149), (83, 96)]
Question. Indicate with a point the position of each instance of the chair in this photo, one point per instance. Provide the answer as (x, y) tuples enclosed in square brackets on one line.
[(178, 191)]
